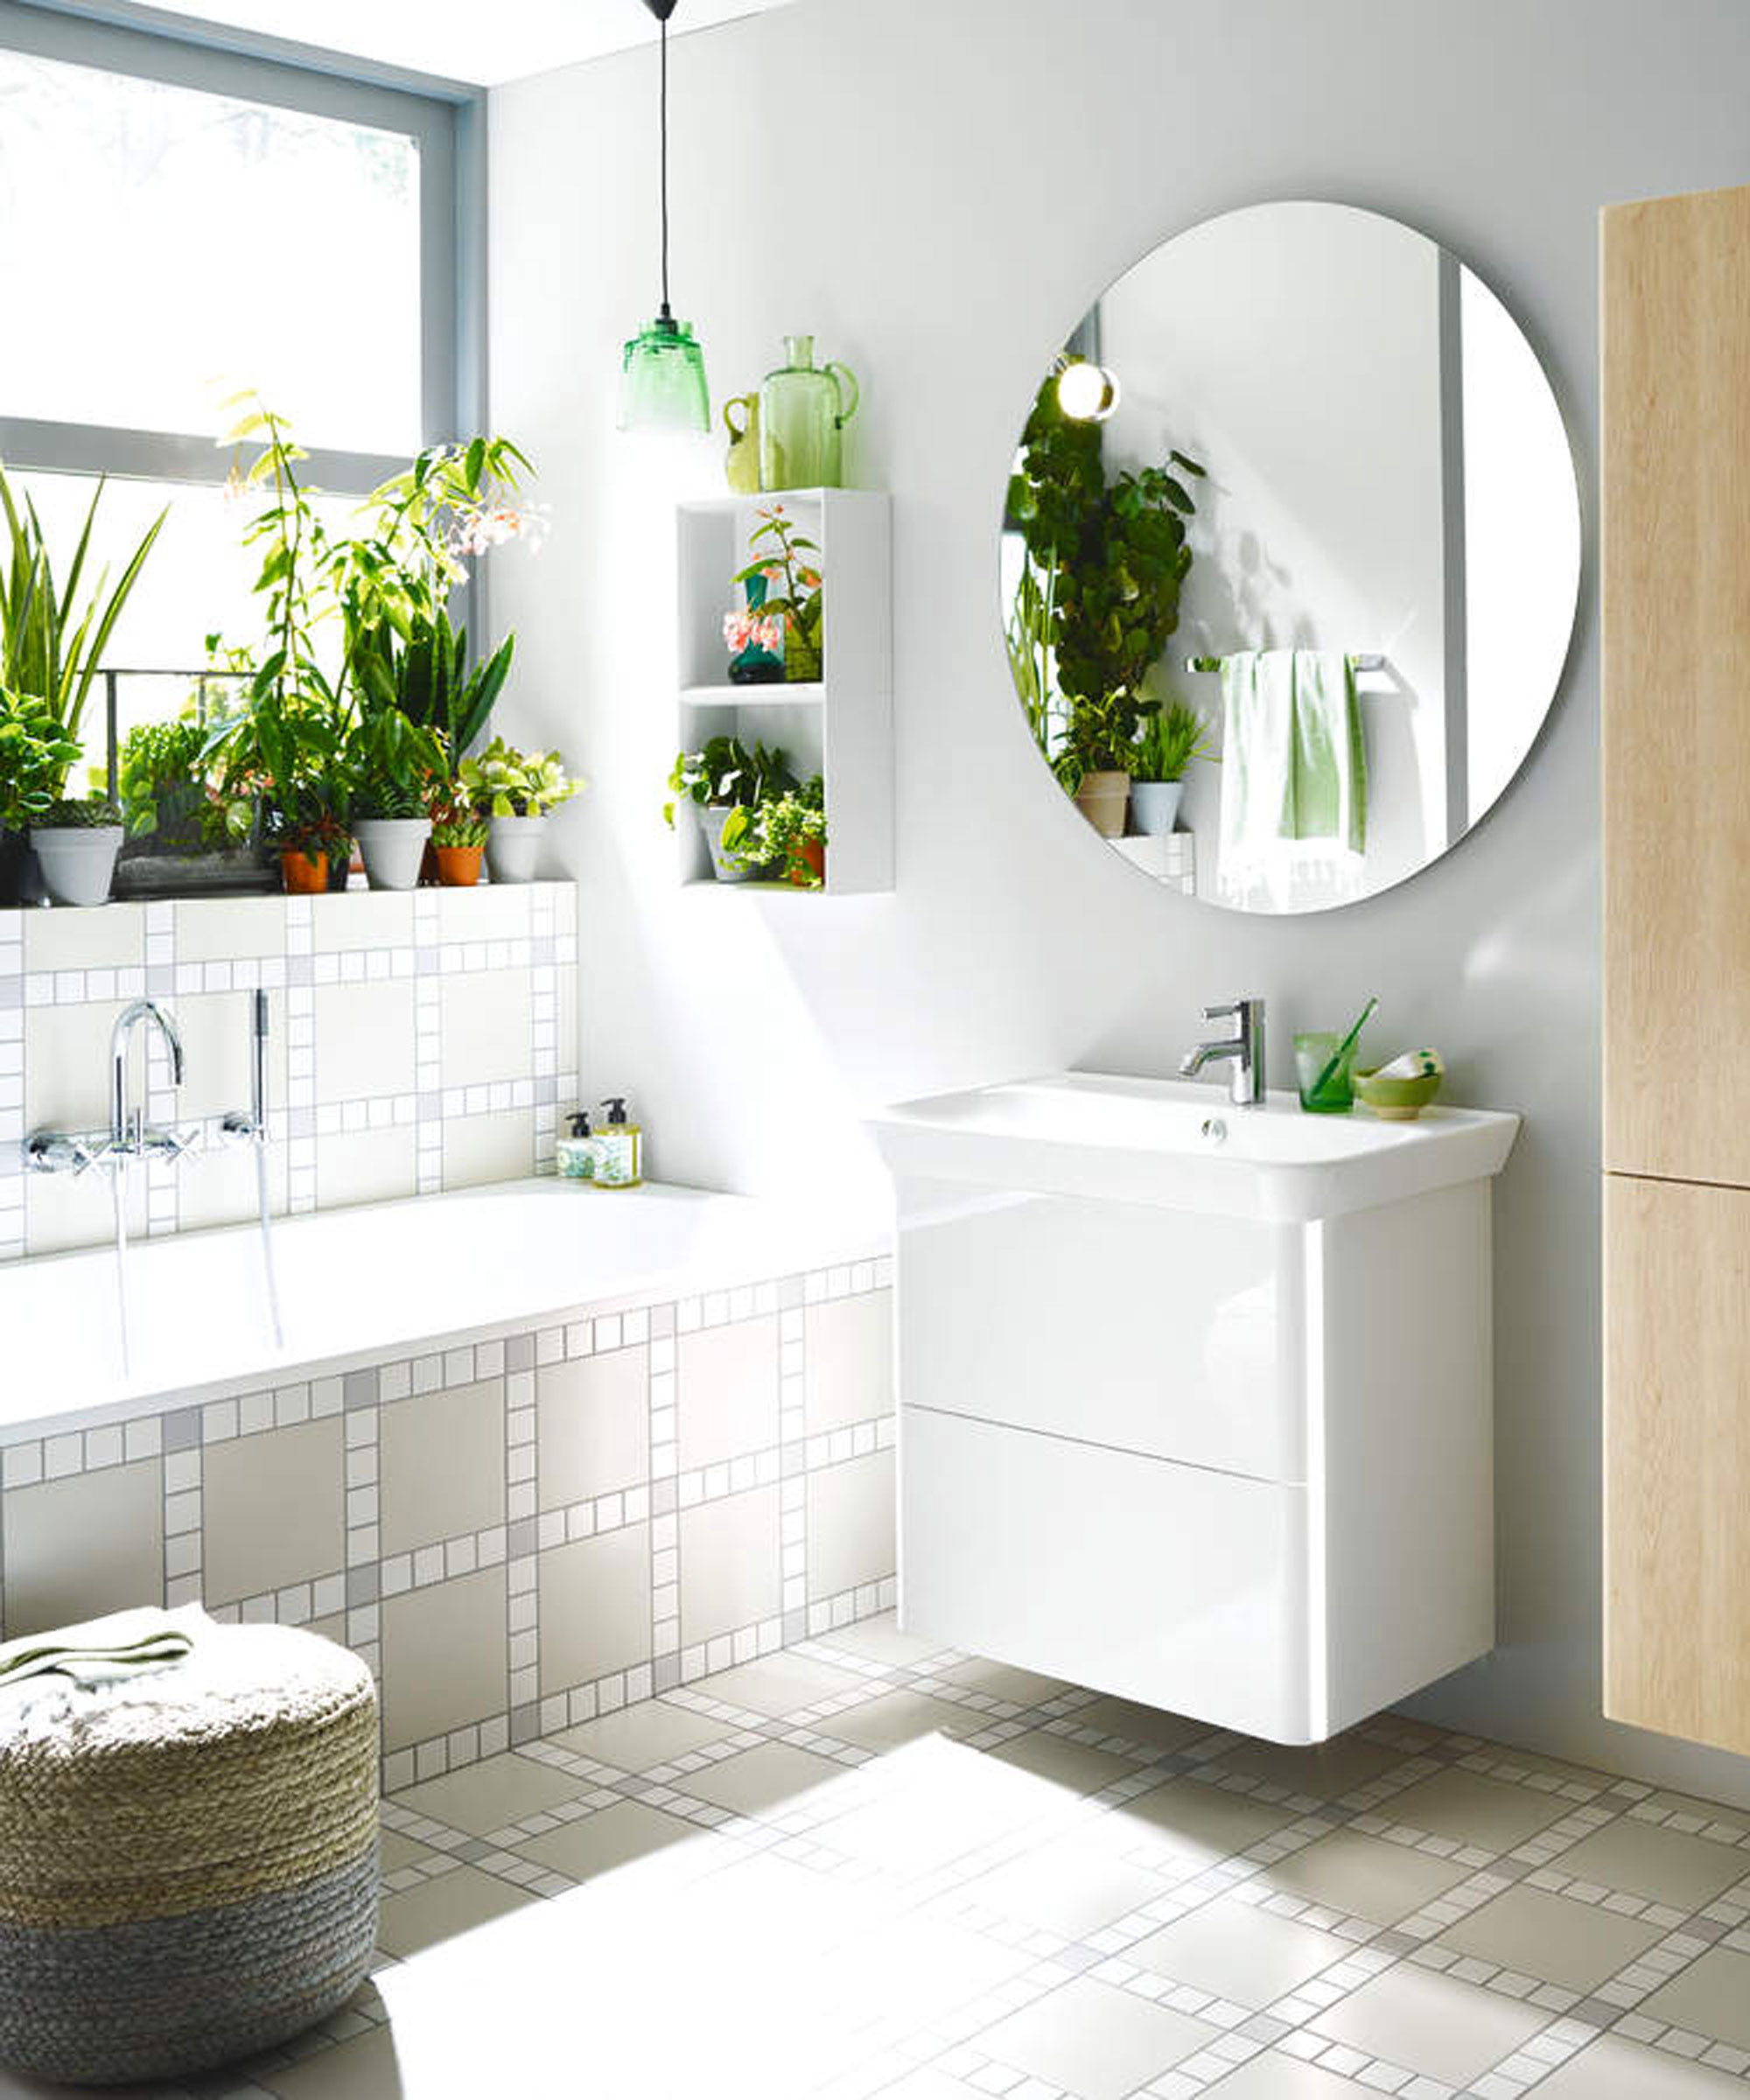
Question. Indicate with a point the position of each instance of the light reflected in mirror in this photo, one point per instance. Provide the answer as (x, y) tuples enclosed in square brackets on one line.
[(1290, 557)]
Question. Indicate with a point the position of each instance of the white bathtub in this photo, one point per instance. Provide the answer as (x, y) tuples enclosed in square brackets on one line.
[(385, 1276)]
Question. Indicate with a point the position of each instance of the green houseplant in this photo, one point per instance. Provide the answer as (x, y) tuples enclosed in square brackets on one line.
[(516, 790), (782, 584), (1169, 740), (787, 835), (727, 784), (53, 633), (1105, 564)]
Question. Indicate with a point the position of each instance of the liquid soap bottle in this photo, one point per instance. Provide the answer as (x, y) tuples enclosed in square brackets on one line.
[(577, 1153), (618, 1147)]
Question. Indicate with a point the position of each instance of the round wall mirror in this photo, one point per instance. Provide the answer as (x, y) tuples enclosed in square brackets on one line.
[(1290, 557)]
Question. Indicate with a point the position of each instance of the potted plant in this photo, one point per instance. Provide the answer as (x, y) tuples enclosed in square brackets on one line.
[(75, 841), (788, 835), (35, 753), (726, 783), (389, 763), (458, 838), (309, 839), (52, 644), (781, 584), (1171, 739), (1099, 599), (517, 790)]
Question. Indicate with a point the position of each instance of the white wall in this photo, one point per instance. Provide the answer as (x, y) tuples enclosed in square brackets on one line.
[(956, 179)]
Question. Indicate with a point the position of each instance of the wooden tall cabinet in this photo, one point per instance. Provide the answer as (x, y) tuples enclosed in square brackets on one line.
[(1676, 951)]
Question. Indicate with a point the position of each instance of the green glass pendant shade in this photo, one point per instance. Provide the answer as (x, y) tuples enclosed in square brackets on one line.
[(662, 378)]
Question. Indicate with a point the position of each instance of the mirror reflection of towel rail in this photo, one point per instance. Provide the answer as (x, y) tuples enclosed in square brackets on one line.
[(1362, 661)]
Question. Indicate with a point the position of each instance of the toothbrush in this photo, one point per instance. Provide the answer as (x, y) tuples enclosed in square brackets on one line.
[(1347, 1044)]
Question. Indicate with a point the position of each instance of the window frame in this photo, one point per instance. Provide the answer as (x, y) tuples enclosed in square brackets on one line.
[(449, 126)]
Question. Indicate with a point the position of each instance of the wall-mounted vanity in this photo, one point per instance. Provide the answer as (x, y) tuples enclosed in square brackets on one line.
[(1196, 1400)]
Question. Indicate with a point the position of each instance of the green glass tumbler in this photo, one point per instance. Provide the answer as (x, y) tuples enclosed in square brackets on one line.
[(1325, 1079)]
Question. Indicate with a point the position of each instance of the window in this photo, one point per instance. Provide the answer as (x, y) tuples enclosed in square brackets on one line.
[(177, 224)]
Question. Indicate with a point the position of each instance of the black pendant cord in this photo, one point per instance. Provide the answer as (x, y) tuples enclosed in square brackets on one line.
[(664, 132)]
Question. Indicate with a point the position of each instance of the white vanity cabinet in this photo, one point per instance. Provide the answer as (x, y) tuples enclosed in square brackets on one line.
[(1196, 1402)]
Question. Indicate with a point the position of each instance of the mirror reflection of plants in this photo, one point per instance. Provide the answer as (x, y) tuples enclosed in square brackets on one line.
[(781, 582), (1106, 562), (1170, 739)]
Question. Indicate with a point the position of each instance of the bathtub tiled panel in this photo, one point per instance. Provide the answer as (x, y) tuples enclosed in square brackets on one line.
[(518, 1535), (421, 1041)]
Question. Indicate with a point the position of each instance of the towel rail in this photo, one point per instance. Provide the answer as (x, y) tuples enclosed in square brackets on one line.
[(1362, 661)]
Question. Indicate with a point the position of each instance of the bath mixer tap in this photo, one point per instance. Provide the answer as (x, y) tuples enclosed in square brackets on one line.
[(129, 1136), (126, 1134), (1243, 1050)]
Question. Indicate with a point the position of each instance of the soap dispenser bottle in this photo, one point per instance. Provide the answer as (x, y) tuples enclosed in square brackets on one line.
[(577, 1153), (619, 1148)]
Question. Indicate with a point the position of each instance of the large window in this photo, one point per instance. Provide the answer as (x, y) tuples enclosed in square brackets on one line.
[(178, 224)]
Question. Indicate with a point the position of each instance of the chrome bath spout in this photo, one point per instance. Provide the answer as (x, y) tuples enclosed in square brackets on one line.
[(125, 1133)]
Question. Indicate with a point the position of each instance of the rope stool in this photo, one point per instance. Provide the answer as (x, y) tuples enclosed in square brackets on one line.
[(188, 1865)]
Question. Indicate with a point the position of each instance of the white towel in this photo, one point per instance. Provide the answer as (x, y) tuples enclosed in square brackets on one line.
[(102, 1651), (1290, 736)]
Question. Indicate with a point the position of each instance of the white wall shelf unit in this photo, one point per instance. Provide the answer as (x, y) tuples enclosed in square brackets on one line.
[(840, 728)]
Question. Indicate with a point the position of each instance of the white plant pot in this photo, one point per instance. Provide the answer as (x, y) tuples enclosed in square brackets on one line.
[(514, 848), (393, 847), (1154, 806), (711, 822), (78, 862)]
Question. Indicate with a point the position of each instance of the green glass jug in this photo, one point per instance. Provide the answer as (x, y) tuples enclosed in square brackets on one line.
[(802, 411)]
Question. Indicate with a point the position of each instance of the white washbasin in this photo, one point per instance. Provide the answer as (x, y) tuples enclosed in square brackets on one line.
[(1185, 1146)]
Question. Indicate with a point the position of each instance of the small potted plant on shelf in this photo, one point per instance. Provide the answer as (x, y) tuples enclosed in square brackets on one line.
[(309, 838), (51, 645), (75, 841), (727, 784), (35, 753), (787, 835), (1170, 739), (458, 838), (517, 789), (783, 584), (388, 764)]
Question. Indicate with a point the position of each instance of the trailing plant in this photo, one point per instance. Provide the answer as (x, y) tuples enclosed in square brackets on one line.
[(1108, 564), (1170, 739), (507, 782), (35, 755), (726, 774), (52, 640), (781, 583)]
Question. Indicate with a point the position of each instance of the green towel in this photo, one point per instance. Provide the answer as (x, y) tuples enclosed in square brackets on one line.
[(1329, 771), (101, 1650)]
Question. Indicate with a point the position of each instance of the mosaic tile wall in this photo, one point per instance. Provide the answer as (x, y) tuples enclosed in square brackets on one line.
[(518, 1535), (421, 1040)]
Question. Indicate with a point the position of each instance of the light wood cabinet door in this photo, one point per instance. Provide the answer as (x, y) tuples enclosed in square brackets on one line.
[(1676, 687), (1677, 1459)]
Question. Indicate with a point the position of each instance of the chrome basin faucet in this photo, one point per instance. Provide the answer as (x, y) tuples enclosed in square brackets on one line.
[(1243, 1050)]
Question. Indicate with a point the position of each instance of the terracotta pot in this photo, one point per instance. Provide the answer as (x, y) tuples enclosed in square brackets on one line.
[(811, 853), (304, 874), (459, 867), (1103, 798)]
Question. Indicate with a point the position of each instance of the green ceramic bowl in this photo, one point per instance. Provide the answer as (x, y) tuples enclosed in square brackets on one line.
[(1397, 1100)]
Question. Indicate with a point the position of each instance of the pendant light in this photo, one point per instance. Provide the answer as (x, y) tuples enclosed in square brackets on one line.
[(663, 368)]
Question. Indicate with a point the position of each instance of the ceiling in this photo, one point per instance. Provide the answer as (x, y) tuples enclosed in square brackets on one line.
[(459, 40)]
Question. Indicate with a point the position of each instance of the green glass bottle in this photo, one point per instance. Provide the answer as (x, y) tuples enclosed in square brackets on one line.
[(802, 411)]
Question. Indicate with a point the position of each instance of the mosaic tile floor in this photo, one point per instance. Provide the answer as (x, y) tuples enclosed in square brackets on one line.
[(869, 1868)]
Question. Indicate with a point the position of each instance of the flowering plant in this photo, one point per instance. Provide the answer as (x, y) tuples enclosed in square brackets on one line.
[(754, 630), (788, 587)]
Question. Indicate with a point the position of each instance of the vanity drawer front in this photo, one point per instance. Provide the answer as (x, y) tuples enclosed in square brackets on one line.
[(1183, 1589), (1174, 1335)]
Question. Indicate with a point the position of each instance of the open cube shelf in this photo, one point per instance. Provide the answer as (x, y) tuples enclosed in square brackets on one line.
[(841, 727)]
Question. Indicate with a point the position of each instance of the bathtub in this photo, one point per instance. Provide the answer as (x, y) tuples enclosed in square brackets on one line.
[(360, 1283)]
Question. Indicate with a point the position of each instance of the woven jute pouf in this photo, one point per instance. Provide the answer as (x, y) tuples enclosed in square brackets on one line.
[(188, 1865)]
